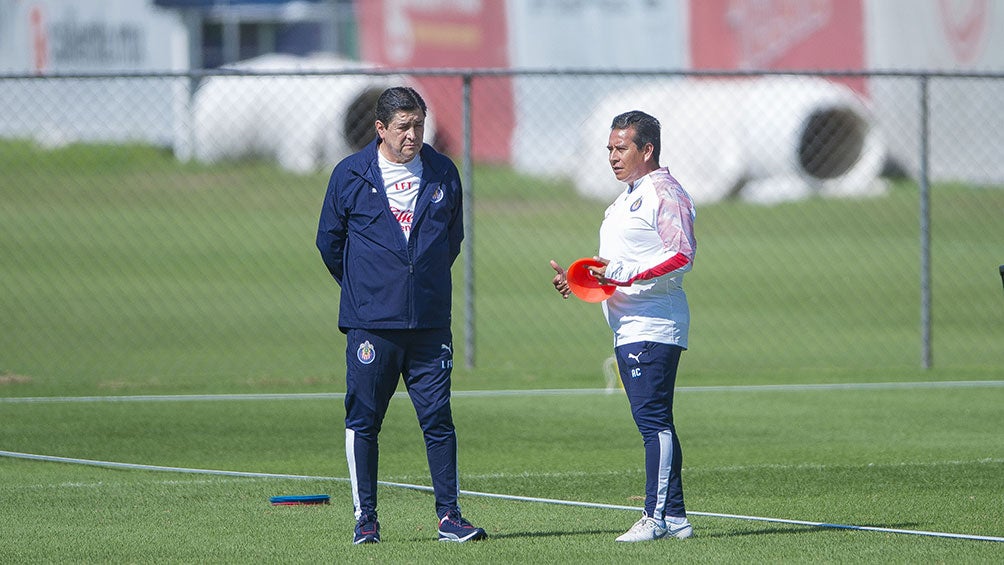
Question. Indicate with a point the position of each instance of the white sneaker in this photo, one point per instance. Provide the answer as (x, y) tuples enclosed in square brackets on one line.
[(646, 529), (679, 528)]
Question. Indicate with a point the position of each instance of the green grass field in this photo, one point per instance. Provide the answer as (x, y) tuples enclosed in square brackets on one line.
[(925, 459), (125, 273)]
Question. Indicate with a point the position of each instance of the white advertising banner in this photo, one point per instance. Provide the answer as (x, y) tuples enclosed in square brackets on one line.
[(63, 36), (626, 35), (46, 37), (966, 123), (935, 35)]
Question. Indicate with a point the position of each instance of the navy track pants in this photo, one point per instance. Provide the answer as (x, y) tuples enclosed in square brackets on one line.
[(648, 372), (375, 361)]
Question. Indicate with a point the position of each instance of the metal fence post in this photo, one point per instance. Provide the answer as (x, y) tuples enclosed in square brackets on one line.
[(925, 230), (468, 182)]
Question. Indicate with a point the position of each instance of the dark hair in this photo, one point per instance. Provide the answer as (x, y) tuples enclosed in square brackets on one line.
[(398, 99), (646, 129)]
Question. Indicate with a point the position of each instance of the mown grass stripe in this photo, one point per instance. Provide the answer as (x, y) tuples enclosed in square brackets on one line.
[(493, 393), (133, 466)]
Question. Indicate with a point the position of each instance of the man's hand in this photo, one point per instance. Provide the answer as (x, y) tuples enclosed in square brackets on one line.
[(560, 281), (600, 272)]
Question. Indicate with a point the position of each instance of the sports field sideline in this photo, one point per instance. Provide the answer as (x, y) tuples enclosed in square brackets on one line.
[(801, 398), (811, 472), (483, 393)]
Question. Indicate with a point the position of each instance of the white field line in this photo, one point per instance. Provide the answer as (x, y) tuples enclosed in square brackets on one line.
[(119, 465), (529, 475), (500, 393), (723, 469)]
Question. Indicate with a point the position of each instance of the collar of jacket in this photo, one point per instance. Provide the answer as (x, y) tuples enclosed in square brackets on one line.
[(435, 172), (432, 162)]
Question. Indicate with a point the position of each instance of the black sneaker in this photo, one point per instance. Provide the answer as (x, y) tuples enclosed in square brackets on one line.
[(453, 527), (367, 530)]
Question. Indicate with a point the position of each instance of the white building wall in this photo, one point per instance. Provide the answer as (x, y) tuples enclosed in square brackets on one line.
[(966, 123), (556, 34), (50, 37)]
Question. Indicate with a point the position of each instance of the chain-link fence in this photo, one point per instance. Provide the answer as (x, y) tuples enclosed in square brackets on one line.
[(159, 229)]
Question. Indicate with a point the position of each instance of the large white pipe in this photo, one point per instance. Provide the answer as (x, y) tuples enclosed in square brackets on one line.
[(764, 140), (807, 136), (304, 123)]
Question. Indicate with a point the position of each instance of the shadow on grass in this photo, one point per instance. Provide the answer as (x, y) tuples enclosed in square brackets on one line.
[(800, 530), (555, 534), (703, 533)]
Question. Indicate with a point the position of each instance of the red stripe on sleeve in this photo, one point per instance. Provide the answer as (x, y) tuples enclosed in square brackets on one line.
[(668, 266)]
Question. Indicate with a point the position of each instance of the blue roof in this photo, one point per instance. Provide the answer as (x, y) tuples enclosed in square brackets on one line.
[(217, 3)]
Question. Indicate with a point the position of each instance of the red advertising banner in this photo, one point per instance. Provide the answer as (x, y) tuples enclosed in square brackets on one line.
[(438, 34), (778, 35)]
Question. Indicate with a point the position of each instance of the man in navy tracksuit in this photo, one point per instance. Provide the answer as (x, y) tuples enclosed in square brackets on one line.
[(389, 232)]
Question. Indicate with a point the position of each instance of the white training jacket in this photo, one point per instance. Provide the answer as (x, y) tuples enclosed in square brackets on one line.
[(647, 234)]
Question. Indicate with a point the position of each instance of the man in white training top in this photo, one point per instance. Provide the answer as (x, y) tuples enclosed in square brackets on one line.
[(646, 245)]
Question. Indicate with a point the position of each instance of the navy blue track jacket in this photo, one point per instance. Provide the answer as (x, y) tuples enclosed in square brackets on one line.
[(387, 281)]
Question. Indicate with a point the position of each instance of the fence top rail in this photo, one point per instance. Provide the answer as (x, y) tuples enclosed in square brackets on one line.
[(497, 72)]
